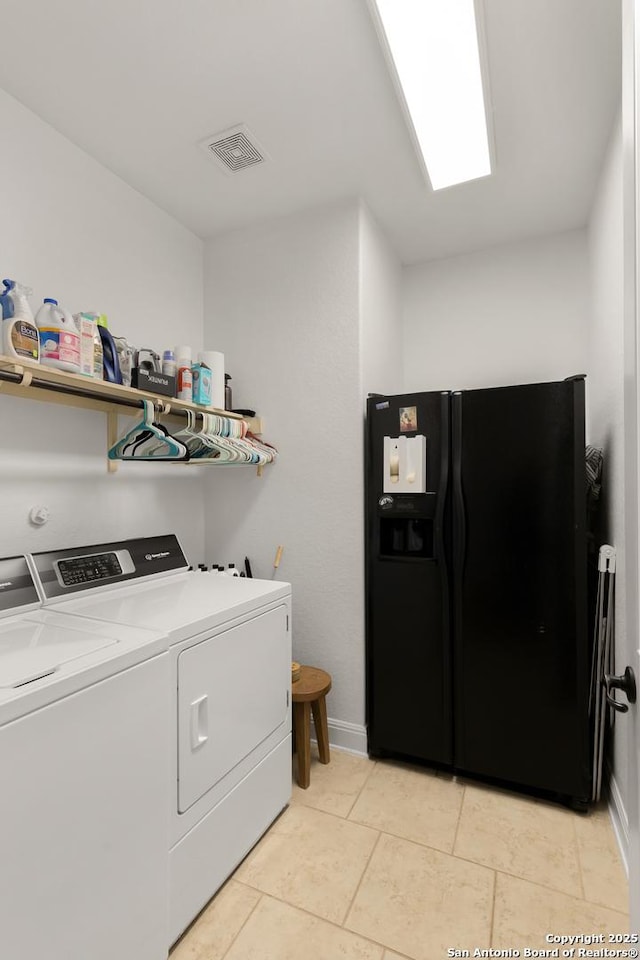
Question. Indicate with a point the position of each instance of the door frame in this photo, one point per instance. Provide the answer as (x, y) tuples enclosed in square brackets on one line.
[(631, 250)]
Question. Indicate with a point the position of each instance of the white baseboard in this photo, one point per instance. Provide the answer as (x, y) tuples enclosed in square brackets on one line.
[(619, 819), (351, 737)]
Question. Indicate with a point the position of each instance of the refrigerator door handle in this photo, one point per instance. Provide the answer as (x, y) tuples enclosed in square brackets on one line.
[(440, 553), (459, 518)]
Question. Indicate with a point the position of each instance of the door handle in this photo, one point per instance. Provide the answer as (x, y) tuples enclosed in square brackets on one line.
[(199, 722), (626, 683)]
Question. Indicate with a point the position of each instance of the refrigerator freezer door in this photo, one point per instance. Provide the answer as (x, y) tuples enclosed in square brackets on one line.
[(521, 647), (408, 665)]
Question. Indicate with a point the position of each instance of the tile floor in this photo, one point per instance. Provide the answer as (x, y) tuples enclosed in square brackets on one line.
[(382, 861)]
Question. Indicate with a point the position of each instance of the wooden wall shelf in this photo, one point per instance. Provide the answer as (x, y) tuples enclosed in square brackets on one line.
[(35, 381), (39, 382)]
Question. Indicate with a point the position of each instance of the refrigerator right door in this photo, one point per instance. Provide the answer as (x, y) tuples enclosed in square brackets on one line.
[(521, 645)]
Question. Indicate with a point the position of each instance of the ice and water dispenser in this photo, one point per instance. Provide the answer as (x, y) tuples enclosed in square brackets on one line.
[(405, 510)]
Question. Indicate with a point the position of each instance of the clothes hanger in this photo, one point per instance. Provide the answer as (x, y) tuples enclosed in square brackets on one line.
[(212, 435), (148, 440), (239, 432), (188, 435), (156, 443)]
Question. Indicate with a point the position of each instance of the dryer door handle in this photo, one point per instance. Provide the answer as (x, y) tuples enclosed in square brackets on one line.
[(199, 722)]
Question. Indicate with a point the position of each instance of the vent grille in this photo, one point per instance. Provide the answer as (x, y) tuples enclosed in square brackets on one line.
[(234, 149)]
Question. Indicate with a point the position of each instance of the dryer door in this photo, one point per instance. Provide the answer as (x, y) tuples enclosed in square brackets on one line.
[(232, 694)]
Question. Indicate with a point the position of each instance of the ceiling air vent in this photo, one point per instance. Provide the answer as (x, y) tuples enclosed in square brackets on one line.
[(234, 149)]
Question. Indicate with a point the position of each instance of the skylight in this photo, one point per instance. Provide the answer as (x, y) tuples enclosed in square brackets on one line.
[(434, 47)]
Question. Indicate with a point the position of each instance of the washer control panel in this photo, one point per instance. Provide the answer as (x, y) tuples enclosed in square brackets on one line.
[(60, 574), (100, 566)]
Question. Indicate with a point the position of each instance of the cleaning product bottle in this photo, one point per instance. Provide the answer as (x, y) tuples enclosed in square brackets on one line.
[(126, 354), (59, 339), (185, 378), (110, 362), (87, 327), (96, 351), (19, 332), (169, 367)]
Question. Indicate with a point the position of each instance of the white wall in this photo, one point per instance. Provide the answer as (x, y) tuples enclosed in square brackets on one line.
[(73, 231), (606, 393), (282, 303), (381, 354), (508, 314)]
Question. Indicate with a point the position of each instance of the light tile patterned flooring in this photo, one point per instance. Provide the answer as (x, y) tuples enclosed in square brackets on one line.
[(383, 861)]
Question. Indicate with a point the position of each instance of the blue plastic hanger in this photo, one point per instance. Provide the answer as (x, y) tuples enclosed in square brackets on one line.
[(136, 443)]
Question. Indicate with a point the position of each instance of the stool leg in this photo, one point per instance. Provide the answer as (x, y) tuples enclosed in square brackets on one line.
[(319, 708), (302, 729)]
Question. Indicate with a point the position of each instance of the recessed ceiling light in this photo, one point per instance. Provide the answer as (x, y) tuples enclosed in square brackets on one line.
[(434, 48)]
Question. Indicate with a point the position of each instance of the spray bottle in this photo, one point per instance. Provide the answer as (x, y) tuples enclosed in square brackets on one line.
[(185, 378), (19, 332)]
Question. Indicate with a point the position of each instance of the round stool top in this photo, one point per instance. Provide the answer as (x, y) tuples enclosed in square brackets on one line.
[(313, 683)]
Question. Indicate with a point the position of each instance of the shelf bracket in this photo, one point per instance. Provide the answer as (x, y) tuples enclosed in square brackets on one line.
[(112, 436), (25, 374)]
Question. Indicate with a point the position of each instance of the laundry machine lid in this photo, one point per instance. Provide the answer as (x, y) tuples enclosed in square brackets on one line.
[(182, 605), (18, 591), (30, 650), (145, 583), (47, 655)]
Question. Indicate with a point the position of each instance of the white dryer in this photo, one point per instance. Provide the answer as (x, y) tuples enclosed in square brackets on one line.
[(83, 741), (230, 655)]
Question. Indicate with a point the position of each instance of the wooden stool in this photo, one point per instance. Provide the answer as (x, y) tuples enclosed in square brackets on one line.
[(308, 695)]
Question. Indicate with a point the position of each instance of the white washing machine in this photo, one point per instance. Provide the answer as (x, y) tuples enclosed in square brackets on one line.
[(83, 743), (230, 656)]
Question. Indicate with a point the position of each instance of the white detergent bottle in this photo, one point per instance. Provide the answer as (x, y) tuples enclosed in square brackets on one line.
[(59, 337), (19, 332)]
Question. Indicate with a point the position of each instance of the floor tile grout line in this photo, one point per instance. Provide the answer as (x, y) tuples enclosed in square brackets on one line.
[(315, 916), (261, 894), (544, 886), (579, 856), (455, 834), (379, 943), (604, 906), (593, 818), (198, 917), (486, 866), (359, 793), (245, 922), (357, 890), (418, 843), (493, 907), (341, 926), (518, 876), (301, 800)]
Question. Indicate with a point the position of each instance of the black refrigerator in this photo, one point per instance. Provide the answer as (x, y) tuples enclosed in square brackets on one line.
[(478, 653)]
